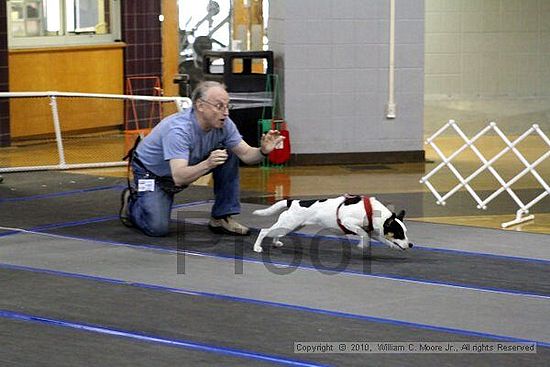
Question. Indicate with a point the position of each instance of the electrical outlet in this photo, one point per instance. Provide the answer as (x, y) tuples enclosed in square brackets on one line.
[(391, 110)]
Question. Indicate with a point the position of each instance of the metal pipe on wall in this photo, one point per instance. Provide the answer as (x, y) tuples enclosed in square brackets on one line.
[(391, 106)]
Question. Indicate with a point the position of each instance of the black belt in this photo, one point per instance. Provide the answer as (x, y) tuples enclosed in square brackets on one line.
[(164, 182)]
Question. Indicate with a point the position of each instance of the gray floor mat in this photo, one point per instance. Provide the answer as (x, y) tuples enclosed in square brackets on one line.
[(221, 322), (333, 255)]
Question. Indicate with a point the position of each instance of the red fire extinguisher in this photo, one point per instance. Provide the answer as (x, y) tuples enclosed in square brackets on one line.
[(281, 153)]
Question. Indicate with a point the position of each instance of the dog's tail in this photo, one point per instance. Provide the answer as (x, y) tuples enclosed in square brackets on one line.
[(273, 209)]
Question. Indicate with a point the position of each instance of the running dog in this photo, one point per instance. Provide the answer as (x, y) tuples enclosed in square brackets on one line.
[(363, 216)]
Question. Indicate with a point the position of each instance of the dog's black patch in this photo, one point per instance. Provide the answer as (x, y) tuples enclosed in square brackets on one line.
[(391, 226), (308, 203), (289, 203), (350, 200)]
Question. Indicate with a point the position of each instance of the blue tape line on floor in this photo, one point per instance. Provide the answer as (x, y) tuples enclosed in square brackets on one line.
[(88, 221), (277, 304), (154, 339), (302, 267), (297, 234), (58, 194)]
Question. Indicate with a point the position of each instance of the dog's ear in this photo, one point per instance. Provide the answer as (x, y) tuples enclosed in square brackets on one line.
[(401, 215), (389, 221)]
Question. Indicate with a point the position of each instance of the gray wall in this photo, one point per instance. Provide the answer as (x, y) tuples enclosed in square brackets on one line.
[(333, 56), (487, 48), (487, 61)]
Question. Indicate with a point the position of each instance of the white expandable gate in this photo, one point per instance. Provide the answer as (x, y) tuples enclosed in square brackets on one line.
[(523, 211), (181, 104)]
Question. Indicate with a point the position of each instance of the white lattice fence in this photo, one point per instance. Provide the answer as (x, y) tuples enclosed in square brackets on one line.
[(488, 165)]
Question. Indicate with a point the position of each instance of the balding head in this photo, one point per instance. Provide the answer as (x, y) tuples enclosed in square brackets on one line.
[(201, 91)]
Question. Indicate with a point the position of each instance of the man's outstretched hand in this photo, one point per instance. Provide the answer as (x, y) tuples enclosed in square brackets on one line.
[(270, 140)]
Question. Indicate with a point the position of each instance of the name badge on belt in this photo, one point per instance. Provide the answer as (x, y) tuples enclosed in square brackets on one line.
[(146, 185)]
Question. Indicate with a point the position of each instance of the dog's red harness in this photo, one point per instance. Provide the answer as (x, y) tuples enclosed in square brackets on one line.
[(368, 211)]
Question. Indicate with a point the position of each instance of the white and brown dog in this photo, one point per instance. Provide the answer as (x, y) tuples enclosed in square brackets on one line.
[(363, 216)]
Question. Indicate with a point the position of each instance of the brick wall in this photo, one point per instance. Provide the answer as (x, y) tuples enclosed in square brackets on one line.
[(4, 78), (141, 30)]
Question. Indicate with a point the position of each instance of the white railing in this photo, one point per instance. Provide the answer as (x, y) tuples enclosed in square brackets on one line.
[(523, 211), (181, 103)]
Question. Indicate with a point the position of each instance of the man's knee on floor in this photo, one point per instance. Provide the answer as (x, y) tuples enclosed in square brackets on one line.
[(157, 228)]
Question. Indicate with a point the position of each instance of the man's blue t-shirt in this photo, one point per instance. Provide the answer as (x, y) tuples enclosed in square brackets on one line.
[(180, 136)]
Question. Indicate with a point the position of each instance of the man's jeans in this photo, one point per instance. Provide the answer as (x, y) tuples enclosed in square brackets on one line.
[(150, 210)]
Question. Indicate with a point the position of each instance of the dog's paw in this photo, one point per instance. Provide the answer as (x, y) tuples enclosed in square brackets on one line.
[(278, 244), (258, 249)]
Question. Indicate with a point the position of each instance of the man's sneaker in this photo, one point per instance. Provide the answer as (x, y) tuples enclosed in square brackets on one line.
[(123, 214), (228, 225)]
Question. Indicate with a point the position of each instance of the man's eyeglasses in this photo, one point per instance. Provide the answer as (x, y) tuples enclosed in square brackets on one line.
[(219, 106)]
